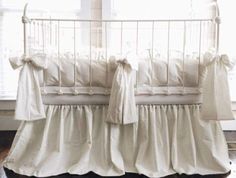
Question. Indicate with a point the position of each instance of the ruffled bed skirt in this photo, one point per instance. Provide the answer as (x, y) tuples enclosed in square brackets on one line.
[(167, 139)]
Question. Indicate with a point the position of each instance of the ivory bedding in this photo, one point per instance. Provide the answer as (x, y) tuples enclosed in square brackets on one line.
[(169, 133), (76, 139), (155, 72)]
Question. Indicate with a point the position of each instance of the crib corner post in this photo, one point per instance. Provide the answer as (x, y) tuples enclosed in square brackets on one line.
[(217, 21), (25, 20)]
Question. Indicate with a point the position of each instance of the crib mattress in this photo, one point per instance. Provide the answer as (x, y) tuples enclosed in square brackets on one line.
[(99, 73)]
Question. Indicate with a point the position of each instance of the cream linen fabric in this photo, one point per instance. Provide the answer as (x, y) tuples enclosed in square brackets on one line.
[(76, 139), (216, 104), (29, 105), (122, 106), (150, 72)]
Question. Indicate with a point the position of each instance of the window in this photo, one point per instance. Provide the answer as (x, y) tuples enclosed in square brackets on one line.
[(11, 38), (11, 31), (228, 38), (160, 9)]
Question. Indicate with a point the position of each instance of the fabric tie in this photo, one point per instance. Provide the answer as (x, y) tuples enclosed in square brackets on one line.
[(122, 106), (216, 99), (29, 105)]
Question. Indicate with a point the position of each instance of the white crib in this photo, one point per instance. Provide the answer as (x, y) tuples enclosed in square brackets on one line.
[(150, 108)]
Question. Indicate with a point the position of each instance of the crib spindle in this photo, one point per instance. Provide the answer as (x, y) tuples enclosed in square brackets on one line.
[(50, 32), (137, 36), (55, 35), (107, 61), (199, 51), (90, 59), (34, 34), (75, 62), (137, 40), (168, 55), (153, 26), (184, 48), (121, 38), (43, 36), (38, 34), (58, 54), (30, 38), (44, 73), (152, 56)]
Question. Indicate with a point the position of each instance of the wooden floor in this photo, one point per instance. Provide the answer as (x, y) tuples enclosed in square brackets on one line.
[(5, 143)]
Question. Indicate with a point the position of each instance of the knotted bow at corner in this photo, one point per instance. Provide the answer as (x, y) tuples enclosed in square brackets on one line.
[(29, 105), (122, 106), (216, 99)]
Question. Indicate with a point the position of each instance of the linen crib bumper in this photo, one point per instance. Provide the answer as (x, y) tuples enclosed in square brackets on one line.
[(60, 78)]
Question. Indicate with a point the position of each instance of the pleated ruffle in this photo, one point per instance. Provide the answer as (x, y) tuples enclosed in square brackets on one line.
[(167, 139)]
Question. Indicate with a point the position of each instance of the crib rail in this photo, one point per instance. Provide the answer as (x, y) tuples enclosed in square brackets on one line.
[(116, 20), (46, 24)]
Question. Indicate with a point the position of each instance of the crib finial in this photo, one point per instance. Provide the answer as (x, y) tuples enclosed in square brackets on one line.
[(25, 19), (25, 9)]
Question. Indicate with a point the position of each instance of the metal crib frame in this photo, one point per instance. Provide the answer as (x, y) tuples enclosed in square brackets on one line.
[(216, 20)]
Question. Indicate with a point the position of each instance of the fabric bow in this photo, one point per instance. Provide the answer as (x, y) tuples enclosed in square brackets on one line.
[(216, 99), (122, 106), (29, 105)]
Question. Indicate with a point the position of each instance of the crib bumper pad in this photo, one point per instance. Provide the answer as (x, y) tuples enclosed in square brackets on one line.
[(216, 103), (29, 105), (122, 106)]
